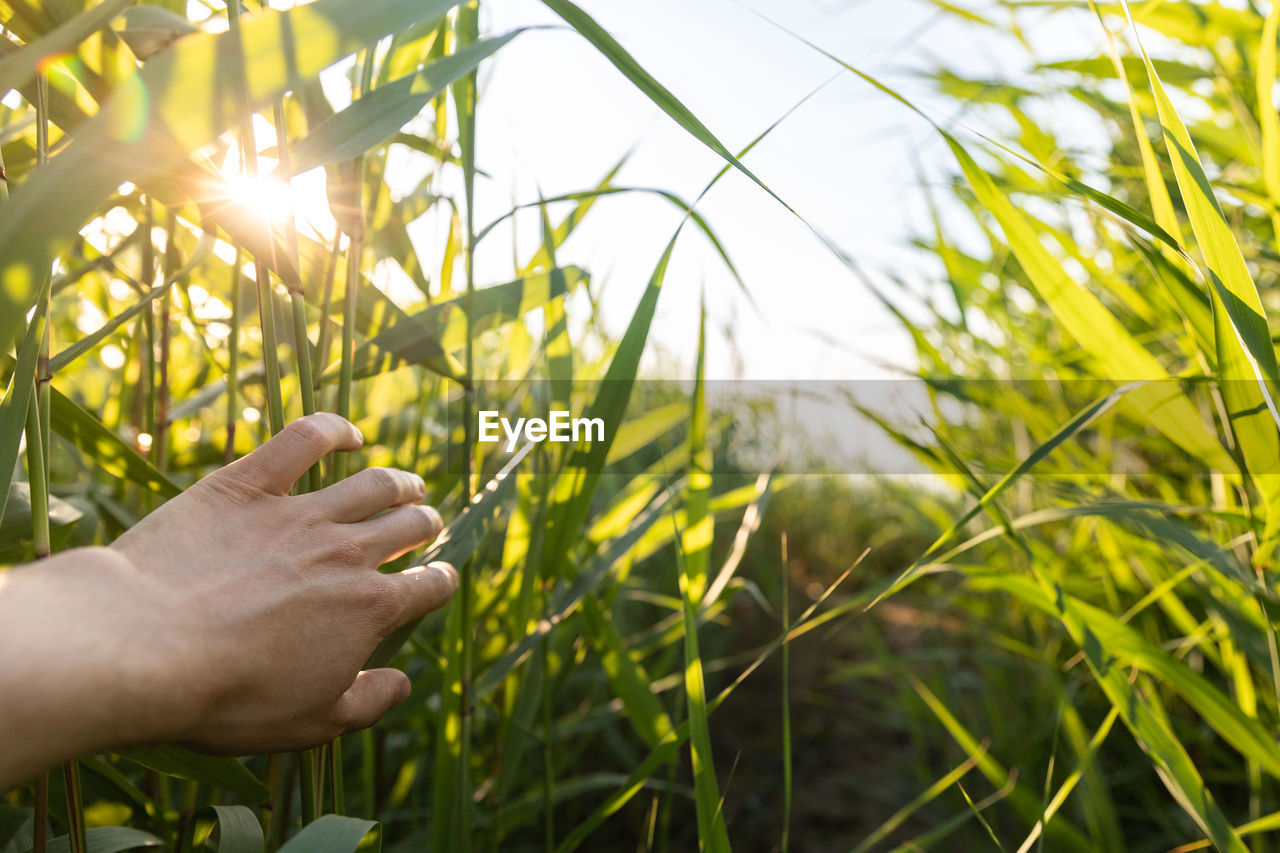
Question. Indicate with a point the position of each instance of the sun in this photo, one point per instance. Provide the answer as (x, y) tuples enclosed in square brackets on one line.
[(265, 198)]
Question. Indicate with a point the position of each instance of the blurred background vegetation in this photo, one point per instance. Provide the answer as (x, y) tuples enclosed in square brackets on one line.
[(1061, 637)]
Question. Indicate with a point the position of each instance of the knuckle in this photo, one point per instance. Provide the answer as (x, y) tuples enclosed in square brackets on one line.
[(425, 521), (435, 523), (382, 479), (309, 524), (380, 599), (348, 550), (237, 484), (310, 428)]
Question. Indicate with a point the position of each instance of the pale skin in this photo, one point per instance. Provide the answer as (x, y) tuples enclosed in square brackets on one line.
[(235, 619)]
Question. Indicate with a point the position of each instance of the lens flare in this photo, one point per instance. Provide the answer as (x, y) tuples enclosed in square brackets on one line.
[(264, 198)]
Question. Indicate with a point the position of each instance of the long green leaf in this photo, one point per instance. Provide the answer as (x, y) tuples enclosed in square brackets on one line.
[(695, 547), (237, 828), (1242, 334), (457, 542), (221, 772), (1096, 329), (17, 69), (428, 336), (645, 82), (108, 839), (336, 834), (106, 449), (1141, 714), (576, 485), (13, 408), (1130, 648), (376, 117)]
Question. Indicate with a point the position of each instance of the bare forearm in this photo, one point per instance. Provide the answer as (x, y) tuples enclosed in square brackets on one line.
[(78, 669)]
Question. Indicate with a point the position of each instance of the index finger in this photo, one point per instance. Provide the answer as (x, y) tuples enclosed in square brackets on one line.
[(276, 466)]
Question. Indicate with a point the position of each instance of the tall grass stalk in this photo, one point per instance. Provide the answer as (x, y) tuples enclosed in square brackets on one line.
[(548, 753), (38, 471), (40, 815), (309, 777), (785, 844), (350, 297), (233, 359), (297, 294), (692, 557), (43, 377), (468, 28), (337, 784), (325, 336), (143, 413), (261, 274), (355, 216), (38, 448), (160, 440)]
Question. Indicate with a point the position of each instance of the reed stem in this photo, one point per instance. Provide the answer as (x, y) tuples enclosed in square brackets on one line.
[(261, 274), (307, 775), (38, 484), (233, 362), (40, 818), (336, 783), (369, 773), (326, 325), (37, 478), (160, 441), (75, 807), (346, 368), (350, 296), (43, 376), (548, 755), (785, 844), (297, 297)]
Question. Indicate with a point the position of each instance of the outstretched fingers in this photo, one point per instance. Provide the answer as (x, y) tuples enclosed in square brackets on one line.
[(276, 466), (423, 589), (376, 691), (367, 492), (387, 536)]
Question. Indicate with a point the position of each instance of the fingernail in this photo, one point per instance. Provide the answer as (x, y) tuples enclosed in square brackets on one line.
[(405, 689), (436, 521), (449, 572)]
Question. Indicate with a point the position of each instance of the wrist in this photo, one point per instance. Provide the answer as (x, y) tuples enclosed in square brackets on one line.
[(98, 657), (154, 669)]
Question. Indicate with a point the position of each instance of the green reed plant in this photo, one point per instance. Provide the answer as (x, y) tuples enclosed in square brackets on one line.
[(1139, 589)]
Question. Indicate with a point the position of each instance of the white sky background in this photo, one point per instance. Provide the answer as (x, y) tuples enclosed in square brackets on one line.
[(555, 116)]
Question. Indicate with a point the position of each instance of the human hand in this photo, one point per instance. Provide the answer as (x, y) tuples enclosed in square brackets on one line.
[(265, 605)]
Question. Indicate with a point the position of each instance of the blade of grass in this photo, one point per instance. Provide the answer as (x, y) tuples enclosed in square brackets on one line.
[(921, 800), (695, 548), (13, 409), (785, 844), (645, 82)]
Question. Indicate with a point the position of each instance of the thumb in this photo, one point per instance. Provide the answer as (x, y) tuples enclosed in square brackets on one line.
[(370, 696)]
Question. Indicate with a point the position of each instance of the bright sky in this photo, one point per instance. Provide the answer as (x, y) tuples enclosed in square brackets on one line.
[(556, 116)]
